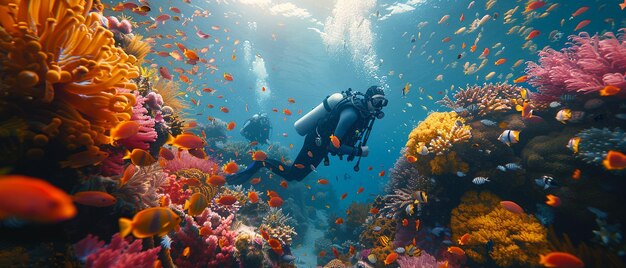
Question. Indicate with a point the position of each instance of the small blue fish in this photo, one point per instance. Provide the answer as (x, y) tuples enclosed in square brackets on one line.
[(513, 166), (501, 168), (480, 180), (488, 122), (546, 182), (460, 174)]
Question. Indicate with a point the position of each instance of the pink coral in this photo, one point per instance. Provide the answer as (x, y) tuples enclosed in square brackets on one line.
[(423, 260), (113, 165), (186, 161), (589, 64), (119, 253), (116, 25), (173, 188), (214, 248), (146, 134)]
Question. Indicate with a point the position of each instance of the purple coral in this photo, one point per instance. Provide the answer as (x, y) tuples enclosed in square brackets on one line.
[(112, 165), (187, 161), (123, 26), (146, 134), (119, 253), (423, 260), (589, 64)]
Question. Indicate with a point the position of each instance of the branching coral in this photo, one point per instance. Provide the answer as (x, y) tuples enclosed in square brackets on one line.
[(58, 60), (438, 132), (399, 202), (485, 99), (595, 144), (517, 239), (119, 253), (406, 175), (589, 64), (137, 48), (423, 260)]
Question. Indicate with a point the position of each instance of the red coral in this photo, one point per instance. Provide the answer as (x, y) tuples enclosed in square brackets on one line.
[(112, 165), (589, 64), (175, 191), (119, 253)]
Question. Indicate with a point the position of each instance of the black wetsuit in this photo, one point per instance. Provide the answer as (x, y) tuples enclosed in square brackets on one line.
[(344, 123)]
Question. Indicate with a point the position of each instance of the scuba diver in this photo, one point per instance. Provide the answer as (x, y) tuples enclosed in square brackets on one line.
[(257, 128), (348, 115)]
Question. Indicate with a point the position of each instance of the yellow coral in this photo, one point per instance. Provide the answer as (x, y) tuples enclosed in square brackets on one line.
[(370, 237), (56, 56), (172, 94), (448, 163), (438, 131), (517, 239)]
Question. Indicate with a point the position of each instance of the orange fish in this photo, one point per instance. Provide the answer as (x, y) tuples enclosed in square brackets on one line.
[(512, 207), (360, 190), (579, 11), (322, 181), (196, 204), (263, 89), (149, 222), (443, 265), (560, 260), (228, 77), (464, 239), (534, 5), (259, 156), (411, 159), (166, 153), (231, 125), (124, 130), (374, 211), (370, 168), (227, 200), (533, 34), (283, 184), (198, 153), (253, 196), (405, 222), (485, 53), (191, 55), (230, 167), (456, 250), (94, 199), (216, 180), (140, 157), (521, 79), (553, 200), (275, 202), (287, 112), (582, 24), (335, 252), (300, 166), (381, 174), (500, 61), (186, 252), (576, 174), (417, 225), (344, 195), (473, 48), (609, 91), (391, 258), (339, 221), (309, 153), (224, 109), (128, 173), (335, 141), (463, 45), (351, 251), (321, 254), (274, 243), (204, 231), (614, 160), (446, 39), (622, 5), (255, 181), (33, 199), (187, 141), (462, 18), (291, 100)]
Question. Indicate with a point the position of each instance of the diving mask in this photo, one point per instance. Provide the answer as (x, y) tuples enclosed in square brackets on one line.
[(378, 101)]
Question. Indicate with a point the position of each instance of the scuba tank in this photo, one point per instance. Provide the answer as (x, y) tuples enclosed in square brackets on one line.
[(308, 122)]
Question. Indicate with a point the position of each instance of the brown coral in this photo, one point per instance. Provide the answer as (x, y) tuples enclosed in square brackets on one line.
[(517, 239), (449, 163), (370, 237), (58, 60), (485, 99)]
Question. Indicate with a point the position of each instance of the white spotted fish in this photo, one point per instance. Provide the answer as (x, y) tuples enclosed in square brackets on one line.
[(513, 166), (480, 180)]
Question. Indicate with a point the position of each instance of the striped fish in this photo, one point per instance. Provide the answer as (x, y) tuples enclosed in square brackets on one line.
[(480, 180)]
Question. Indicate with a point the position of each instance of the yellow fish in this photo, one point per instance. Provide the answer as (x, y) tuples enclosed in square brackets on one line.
[(148, 222)]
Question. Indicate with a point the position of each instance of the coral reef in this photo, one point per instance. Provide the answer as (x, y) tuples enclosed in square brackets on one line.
[(591, 256), (589, 64), (517, 239), (68, 77), (119, 253), (170, 92), (484, 100), (423, 260), (335, 263), (449, 163), (185, 161), (370, 237), (406, 175), (546, 154)]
